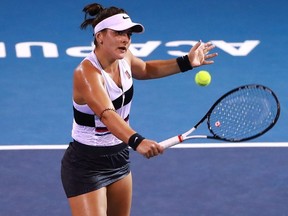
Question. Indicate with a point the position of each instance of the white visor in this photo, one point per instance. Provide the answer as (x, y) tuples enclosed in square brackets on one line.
[(118, 22)]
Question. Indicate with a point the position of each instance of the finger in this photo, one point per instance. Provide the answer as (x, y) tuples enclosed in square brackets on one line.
[(208, 62), (211, 55), (149, 154), (154, 150), (205, 45), (197, 45), (208, 44), (207, 49), (210, 47), (160, 149)]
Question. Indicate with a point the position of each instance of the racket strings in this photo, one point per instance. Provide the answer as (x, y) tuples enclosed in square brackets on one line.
[(243, 114)]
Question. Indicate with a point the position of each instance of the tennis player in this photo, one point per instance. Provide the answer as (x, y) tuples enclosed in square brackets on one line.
[(95, 169)]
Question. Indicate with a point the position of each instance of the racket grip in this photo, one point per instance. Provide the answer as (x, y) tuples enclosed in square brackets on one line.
[(171, 141)]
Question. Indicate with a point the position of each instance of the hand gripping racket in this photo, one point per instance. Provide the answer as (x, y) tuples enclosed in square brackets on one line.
[(239, 115)]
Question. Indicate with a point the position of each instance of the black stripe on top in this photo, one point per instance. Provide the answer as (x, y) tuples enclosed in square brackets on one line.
[(117, 103), (85, 119)]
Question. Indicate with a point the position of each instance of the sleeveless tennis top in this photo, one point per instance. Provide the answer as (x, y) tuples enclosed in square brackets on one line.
[(87, 127)]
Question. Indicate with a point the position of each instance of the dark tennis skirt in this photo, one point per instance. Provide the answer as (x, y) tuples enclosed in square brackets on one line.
[(88, 168)]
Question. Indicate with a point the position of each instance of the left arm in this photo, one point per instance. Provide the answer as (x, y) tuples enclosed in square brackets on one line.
[(198, 55), (153, 69)]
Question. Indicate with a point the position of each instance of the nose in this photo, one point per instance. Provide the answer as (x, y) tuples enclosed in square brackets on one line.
[(127, 36), (126, 39)]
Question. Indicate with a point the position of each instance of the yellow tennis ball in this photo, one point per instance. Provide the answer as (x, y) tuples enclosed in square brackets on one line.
[(203, 78)]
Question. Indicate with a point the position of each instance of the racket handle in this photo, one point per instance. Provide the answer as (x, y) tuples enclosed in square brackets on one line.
[(171, 141)]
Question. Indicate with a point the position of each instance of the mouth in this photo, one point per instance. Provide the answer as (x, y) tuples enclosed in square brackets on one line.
[(123, 49)]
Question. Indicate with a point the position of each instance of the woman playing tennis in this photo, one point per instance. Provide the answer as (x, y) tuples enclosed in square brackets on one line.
[(95, 170)]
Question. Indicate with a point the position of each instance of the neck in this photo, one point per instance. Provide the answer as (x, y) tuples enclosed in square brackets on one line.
[(107, 64)]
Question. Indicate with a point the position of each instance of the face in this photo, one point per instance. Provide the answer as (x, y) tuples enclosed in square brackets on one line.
[(116, 43)]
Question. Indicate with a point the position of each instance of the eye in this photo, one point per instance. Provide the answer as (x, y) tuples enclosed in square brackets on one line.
[(129, 33)]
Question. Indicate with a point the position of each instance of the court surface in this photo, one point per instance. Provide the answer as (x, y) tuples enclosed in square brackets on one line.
[(202, 178)]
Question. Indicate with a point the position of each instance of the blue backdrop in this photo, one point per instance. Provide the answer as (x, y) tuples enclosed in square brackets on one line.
[(251, 39), (36, 104)]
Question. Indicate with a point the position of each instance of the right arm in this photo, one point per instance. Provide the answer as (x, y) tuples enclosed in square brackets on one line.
[(89, 89)]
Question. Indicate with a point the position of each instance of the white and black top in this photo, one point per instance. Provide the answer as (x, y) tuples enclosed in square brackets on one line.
[(87, 127)]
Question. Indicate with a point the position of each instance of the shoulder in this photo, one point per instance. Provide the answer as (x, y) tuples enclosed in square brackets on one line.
[(86, 73), (86, 67)]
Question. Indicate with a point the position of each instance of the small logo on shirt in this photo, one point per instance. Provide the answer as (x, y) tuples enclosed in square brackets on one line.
[(126, 17), (128, 74)]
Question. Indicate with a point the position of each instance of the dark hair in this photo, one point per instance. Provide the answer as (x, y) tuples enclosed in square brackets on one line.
[(95, 13)]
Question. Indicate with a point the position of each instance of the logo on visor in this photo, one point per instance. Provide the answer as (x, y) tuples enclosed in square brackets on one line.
[(127, 17)]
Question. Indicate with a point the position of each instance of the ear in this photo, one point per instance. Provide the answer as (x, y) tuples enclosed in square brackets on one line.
[(99, 37)]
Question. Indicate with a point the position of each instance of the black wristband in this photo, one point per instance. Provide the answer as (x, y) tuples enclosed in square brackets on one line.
[(184, 63), (135, 140)]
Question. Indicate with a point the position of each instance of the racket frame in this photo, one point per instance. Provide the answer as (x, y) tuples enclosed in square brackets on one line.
[(182, 137)]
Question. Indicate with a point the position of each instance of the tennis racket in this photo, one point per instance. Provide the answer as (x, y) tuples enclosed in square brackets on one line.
[(241, 114)]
